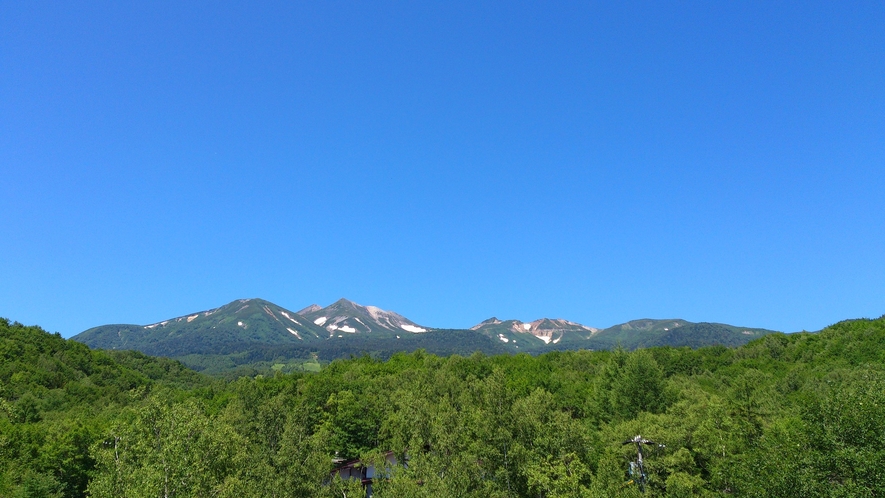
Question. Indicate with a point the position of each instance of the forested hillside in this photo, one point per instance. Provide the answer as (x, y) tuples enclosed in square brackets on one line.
[(58, 398), (785, 415)]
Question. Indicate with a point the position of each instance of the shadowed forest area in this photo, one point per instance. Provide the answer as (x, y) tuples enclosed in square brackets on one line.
[(785, 415)]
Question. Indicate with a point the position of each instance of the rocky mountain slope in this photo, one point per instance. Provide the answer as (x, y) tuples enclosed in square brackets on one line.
[(347, 317), (539, 333)]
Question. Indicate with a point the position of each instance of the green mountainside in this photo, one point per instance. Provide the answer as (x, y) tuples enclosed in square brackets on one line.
[(561, 335), (247, 322), (648, 333), (259, 335), (244, 321)]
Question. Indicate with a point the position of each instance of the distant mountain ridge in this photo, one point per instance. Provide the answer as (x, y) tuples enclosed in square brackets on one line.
[(250, 327), (247, 321), (646, 332), (243, 321)]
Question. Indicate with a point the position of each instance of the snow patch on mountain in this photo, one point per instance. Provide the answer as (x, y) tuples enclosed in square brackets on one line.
[(289, 317), (360, 319)]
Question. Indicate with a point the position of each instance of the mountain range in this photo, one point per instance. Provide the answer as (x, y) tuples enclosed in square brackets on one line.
[(258, 330)]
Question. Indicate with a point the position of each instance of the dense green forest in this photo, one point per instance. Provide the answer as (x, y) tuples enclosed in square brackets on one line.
[(785, 415)]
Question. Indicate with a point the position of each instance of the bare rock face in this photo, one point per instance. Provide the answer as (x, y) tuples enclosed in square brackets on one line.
[(551, 330)]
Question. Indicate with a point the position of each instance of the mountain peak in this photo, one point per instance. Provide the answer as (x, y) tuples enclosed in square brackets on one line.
[(349, 317), (491, 321), (548, 330), (310, 309), (253, 320)]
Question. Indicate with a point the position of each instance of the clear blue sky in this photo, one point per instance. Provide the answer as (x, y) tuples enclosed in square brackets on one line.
[(451, 161)]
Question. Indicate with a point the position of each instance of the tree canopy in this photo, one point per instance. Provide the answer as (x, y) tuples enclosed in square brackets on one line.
[(785, 415)]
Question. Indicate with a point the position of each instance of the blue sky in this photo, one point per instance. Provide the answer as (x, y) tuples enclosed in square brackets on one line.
[(451, 161)]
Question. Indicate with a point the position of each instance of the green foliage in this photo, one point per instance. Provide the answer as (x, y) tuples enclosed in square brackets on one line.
[(56, 396), (165, 449), (785, 415), (638, 386)]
